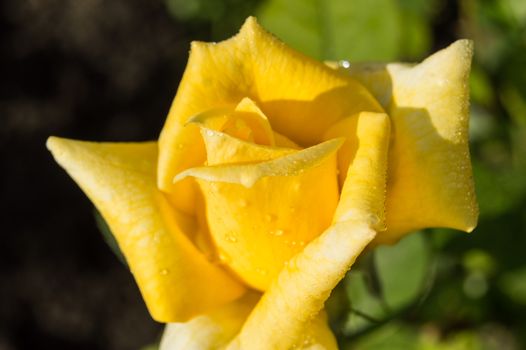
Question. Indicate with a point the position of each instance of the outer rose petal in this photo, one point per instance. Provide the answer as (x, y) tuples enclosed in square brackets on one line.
[(306, 281), (300, 96), (261, 214), (365, 185), (213, 331), (210, 331), (175, 279), (430, 180)]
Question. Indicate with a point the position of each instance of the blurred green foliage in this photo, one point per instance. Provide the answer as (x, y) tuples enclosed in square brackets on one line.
[(437, 289), (355, 30)]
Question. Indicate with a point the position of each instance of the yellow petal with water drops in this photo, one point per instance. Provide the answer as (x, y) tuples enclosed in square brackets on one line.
[(301, 288), (262, 213), (300, 96), (365, 184), (223, 149), (210, 331), (213, 331), (175, 279), (317, 335), (430, 176), (248, 174), (245, 121)]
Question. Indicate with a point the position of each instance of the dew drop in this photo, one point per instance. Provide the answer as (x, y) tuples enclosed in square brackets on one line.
[(224, 258), (291, 243), (180, 146), (164, 272), (210, 133), (230, 238), (307, 341), (344, 64), (243, 203), (277, 233)]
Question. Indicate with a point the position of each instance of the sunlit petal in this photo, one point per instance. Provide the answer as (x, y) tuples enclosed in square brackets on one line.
[(300, 96), (210, 331), (430, 177), (262, 213), (301, 288), (175, 279)]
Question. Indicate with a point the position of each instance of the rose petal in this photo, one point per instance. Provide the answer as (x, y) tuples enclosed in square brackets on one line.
[(248, 174), (283, 141), (224, 149), (175, 279), (430, 176), (209, 331), (246, 113), (364, 186), (261, 214), (214, 330), (304, 284), (300, 96)]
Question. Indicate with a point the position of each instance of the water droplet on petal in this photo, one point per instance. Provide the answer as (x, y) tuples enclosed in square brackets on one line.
[(277, 233), (230, 238), (291, 243), (164, 272), (180, 146), (307, 341), (224, 258), (243, 203)]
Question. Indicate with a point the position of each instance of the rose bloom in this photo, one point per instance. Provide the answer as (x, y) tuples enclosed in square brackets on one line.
[(272, 174)]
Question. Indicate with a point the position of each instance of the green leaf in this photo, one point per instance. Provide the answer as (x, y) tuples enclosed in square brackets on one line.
[(385, 283), (359, 30), (108, 236), (392, 336), (404, 270)]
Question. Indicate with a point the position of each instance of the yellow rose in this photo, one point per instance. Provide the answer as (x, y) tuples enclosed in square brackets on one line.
[(271, 175)]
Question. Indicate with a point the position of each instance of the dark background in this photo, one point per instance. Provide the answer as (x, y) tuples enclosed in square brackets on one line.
[(92, 70), (108, 70)]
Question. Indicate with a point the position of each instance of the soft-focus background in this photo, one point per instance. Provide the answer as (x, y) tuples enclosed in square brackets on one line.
[(108, 70)]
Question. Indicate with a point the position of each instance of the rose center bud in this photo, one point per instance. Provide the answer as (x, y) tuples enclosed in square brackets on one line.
[(263, 204)]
